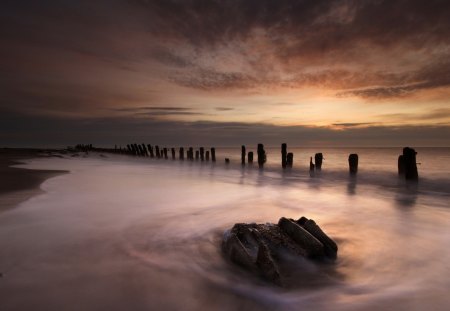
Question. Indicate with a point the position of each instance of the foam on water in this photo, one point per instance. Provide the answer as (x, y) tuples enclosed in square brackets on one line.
[(125, 233)]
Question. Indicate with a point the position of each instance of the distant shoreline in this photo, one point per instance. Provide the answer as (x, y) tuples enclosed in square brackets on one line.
[(19, 184)]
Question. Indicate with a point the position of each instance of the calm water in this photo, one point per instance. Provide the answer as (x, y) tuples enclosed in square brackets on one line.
[(121, 233)]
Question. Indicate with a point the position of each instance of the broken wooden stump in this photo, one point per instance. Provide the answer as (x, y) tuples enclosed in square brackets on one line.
[(243, 155), (289, 159), (261, 155), (275, 251), (318, 160), (283, 155), (202, 154), (181, 155), (409, 160), (150, 150), (353, 163), (213, 154), (250, 157)]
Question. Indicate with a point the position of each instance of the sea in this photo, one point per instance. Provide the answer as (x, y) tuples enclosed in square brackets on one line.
[(133, 233)]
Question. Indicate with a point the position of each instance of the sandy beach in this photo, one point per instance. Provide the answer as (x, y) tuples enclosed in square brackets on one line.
[(20, 184)]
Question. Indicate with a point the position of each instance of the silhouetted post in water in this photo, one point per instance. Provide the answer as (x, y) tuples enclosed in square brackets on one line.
[(158, 155), (409, 160), (401, 165), (283, 155), (243, 155), (250, 157), (207, 155), (353, 163), (145, 150), (290, 159), (261, 155), (181, 153), (227, 161), (311, 166), (213, 154), (318, 160), (150, 149), (165, 153), (202, 154), (173, 153)]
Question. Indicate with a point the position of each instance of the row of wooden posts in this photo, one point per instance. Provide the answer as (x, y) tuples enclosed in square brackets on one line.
[(407, 166)]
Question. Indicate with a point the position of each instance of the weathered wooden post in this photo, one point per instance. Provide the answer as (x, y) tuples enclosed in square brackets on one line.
[(261, 155), (207, 155), (250, 157), (409, 159), (158, 154), (401, 165), (145, 150), (213, 154), (311, 165), (283, 155), (173, 153), (318, 160), (202, 154), (141, 151), (150, 149), (290, 159), (181, 153), (243, 155), (353, 163)]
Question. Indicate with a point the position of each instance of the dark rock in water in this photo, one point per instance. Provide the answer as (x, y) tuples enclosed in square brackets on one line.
[(274, 251)]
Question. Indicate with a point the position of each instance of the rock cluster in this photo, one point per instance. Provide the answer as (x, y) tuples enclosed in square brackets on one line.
[(264, 248)]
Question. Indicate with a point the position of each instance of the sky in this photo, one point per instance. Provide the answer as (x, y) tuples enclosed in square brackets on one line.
[(232, 72)]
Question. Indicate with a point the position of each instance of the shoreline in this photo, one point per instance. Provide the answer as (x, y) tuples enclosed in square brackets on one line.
[(20, 184)]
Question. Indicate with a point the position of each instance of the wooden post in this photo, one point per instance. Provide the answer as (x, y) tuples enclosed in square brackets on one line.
[(250, 157), (213, 154), (202, 154), (311, 165), (207, 155), (261, 155), (150, 149), (181, 153), (353, 163), (290, 159), (401, 165), (318, 159), (283, 155), (243, 155), (145, 150), (173, 153), (409, 159)]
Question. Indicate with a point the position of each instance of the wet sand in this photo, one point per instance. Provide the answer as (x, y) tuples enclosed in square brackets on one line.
[(20, 184)]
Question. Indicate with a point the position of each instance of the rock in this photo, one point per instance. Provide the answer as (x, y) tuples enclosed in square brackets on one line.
[(268, 250)]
